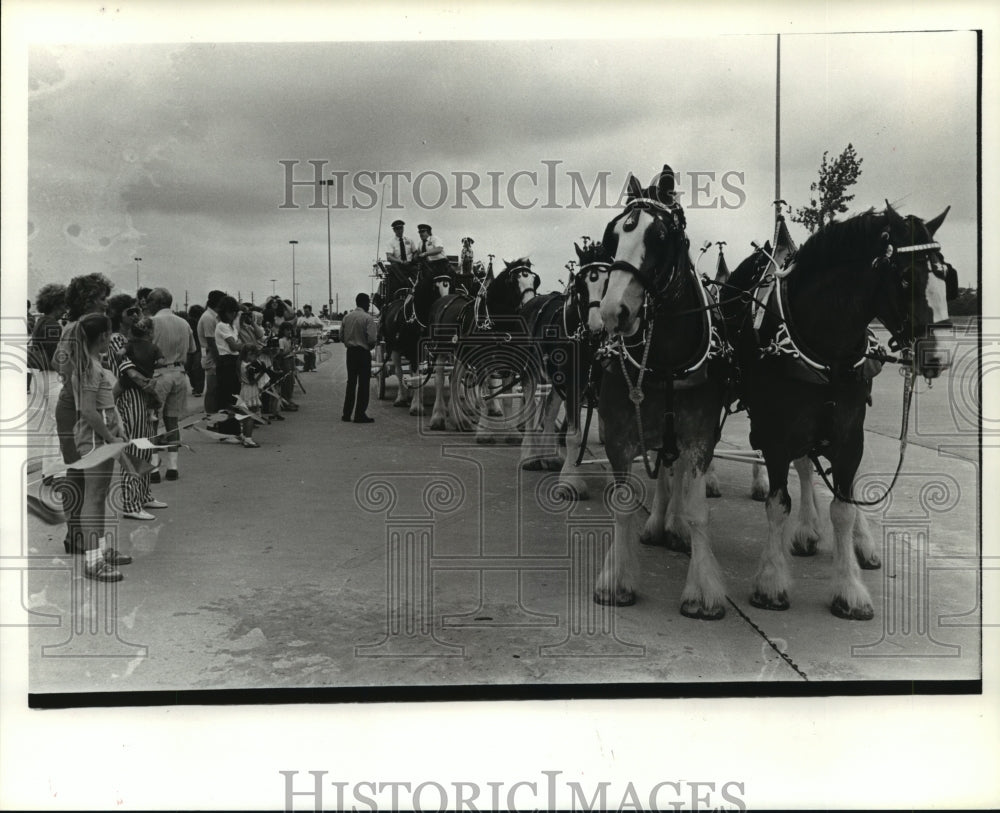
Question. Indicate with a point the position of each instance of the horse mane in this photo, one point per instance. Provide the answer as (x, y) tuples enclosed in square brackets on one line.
[(594, 253), (842, 241)]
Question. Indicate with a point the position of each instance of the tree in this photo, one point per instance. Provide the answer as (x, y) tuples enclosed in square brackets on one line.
[(830, 196)]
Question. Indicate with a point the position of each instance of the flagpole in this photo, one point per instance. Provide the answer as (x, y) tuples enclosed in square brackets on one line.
[(777, 124)]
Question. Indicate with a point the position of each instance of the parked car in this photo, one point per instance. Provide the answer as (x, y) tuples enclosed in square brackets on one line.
[(331, 330)]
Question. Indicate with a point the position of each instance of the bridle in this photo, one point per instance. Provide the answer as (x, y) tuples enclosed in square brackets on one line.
[(903, 336), (655, 283), (523, 271), (576, 279)]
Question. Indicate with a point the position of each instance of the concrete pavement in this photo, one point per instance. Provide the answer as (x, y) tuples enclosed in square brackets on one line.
[(341, 555)]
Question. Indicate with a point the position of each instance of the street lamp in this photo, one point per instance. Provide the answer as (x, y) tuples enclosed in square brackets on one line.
[(329, 254), (293, 243), (137, 261)]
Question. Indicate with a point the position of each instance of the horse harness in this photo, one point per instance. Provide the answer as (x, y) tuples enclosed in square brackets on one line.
[(804, 366)]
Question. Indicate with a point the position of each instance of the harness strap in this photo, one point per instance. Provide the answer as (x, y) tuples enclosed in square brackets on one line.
[(907, 399)]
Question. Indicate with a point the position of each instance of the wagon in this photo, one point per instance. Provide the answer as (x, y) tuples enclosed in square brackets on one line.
[(384, 291)]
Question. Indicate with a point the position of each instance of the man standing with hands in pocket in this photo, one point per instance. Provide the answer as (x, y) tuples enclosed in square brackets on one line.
[(358, 332)]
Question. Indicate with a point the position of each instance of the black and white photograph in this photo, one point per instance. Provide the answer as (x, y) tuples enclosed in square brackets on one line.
[(407, 395)]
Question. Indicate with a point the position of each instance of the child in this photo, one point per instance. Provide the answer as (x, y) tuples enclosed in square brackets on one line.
[(267, 382), (286, 364), (250, 374), (141, 351)]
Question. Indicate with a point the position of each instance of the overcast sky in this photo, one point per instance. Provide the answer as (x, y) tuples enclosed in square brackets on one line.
[(173, 153)]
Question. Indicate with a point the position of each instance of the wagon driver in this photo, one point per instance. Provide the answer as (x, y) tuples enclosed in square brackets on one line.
[(431, 250), (401, 252)]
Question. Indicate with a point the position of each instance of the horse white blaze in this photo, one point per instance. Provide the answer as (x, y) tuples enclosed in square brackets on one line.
[(526, 286), (596, 283), (620, 305), (935, 355), (624, 292)]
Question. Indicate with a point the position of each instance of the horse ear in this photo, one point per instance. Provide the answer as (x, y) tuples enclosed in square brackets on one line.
[(935, 224), (634, 189), (579, 252), (665, 185), (506, 264), (894, 216)]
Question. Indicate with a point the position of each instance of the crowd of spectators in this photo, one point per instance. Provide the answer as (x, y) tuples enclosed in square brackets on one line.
[(125, 369)]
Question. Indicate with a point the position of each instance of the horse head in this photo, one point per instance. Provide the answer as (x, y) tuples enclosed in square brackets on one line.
[(649, 246), (916, 286), (589, 283), (513, 286), (432, 284)]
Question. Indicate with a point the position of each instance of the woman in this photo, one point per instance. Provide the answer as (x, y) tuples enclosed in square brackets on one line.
[(51, 303), (195, 372), (132, 403), (99, 423), (228, 343), (84, 295)]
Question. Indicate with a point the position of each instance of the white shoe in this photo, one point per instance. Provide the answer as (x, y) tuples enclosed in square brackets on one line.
[(154, 504), (144, 515)]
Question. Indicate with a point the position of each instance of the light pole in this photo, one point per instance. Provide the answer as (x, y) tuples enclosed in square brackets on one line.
[(137, 261), (272, 286), (293, 243), (329, 252)]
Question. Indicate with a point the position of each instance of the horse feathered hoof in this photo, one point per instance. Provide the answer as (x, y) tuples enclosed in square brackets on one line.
[(437, 425), (697, 610), (842, 609), (485, 439), (765, 602), (621, 597), (674, 541), (712, 491), (869, 561), (657, 539), (401, 403), (758, 495), (804, 546), (552, 464), (535, 464)]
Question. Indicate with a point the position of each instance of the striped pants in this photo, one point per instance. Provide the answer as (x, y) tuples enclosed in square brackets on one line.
[(135, 420)]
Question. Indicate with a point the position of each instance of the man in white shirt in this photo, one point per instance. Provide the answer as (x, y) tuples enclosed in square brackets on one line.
[(400, 251), (310, 329), (431, 250), (358, 333)]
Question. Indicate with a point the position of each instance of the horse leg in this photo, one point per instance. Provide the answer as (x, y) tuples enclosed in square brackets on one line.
[(531, 447), (851, 599), (760, 487), (539, 431), (864, 543), (573, 484), (401, 393), (806, 534), (712, 482), (616, 583), (771, 582), (416, 398), (653, 531), (494, 406), (460, 399), (704, 595), (438, 412)]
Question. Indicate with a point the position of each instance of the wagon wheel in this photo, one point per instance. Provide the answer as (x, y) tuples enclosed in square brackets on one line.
[(380, 360)]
